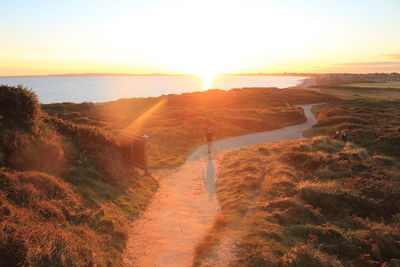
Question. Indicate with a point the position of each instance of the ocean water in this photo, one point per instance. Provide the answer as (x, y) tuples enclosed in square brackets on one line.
[(54, 89)]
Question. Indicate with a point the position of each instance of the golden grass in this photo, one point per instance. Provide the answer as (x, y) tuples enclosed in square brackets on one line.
[(66, 194), (369, 123), (177, 124), (350, 92), (315, 202), (387, 84)]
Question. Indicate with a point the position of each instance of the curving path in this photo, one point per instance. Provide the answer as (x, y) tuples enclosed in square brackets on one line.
[(184, 206)]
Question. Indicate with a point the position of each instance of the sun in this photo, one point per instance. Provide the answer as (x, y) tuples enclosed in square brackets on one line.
[(206, 64), (207, 73), (208, 78), (208, 81)]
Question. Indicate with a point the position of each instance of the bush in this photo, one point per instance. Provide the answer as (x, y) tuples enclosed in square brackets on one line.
[(46, 221), (19, 108)]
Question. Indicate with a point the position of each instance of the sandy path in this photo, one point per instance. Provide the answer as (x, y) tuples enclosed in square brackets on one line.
[(184, 206)]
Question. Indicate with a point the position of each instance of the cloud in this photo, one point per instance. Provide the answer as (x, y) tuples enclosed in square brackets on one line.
[(393, 56)]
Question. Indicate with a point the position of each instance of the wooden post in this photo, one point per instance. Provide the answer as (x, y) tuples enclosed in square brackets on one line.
[(146, 160), (287, 104), (136, 144)]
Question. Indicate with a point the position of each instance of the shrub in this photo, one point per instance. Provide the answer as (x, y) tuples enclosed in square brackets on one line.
[(19, 108), (44, 221)]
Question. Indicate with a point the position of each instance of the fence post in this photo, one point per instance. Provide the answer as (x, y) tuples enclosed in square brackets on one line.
[(146, 160)]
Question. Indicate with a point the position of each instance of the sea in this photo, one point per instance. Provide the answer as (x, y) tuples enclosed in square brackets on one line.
[(77, 89)]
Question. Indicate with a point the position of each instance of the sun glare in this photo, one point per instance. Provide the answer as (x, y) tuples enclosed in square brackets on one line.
[(208, 81), (207, 71), (208, 78)]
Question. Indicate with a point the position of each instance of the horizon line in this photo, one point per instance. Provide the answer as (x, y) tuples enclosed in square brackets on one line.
[(186, 74)]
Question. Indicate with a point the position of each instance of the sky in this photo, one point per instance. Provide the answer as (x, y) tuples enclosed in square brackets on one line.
[(204, 37)]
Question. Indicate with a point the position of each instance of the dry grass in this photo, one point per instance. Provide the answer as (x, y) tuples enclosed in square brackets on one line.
[(363, 91), (43, 222), (387, 84), (177, 124), (374, 125), (315, 202), (66, 194)]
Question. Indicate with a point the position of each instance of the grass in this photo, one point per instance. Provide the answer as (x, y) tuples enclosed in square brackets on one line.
[(317, 108), (367, 91), (315, 202), (370, 124), (388, 84), (177, 124), (66, 193)]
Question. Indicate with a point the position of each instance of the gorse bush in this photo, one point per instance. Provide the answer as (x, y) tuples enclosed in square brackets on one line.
[(88, 137), (40, 151), (19, 108), (26, 143), (38, 154), (93, 147), (66, 194)]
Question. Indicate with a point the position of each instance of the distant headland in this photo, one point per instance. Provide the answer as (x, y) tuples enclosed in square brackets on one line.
[(292, 74)]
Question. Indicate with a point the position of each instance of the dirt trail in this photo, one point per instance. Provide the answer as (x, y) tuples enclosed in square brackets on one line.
[(184, 207)]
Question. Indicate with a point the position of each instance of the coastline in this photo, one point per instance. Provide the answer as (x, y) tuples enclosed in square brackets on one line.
[(58, 89), (304, 84)]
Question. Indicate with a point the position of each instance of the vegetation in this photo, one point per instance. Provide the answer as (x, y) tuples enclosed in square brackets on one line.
[(66, 193), (370, 124), (26, 109), (177, 124), (386, 84), (377, 91), (315, 202)]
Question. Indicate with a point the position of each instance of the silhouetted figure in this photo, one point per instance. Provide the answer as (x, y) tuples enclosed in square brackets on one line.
[(209, 138), (336, 135), (343, 136)]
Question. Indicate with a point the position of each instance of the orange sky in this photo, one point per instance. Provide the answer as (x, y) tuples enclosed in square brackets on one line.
[(199, 37)]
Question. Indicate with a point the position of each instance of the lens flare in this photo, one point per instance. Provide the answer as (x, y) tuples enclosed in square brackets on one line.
[(208, 81)]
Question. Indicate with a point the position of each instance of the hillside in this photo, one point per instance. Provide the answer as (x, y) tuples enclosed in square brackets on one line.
[(318, 201), (176, 124), (372, 124), (66, 193)]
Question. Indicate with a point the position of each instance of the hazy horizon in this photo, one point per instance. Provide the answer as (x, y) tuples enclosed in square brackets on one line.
[(101, 88), (88, 74), (201, 38)]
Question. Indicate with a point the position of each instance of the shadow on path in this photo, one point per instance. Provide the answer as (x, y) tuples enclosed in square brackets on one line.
[(184, 207), (209, 178)]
